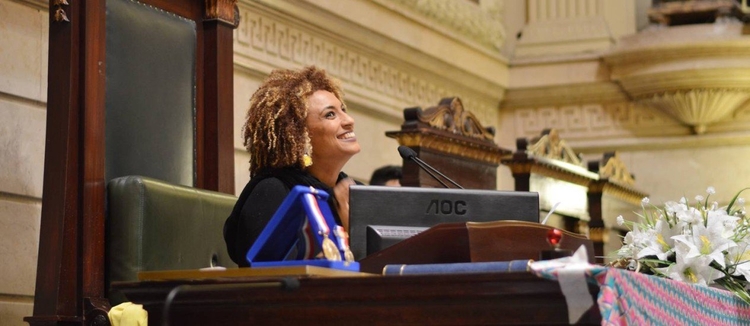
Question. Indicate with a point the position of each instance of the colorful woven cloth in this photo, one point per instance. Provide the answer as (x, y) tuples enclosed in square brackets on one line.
[(629, 298)]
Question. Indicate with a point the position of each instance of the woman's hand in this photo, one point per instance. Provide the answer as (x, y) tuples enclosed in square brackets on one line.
[(341, 191)]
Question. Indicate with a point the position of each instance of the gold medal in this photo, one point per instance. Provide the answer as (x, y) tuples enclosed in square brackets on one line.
[(330, 251), (343, 239)]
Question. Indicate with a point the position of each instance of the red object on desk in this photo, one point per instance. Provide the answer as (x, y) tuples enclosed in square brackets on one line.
[(554, 237)]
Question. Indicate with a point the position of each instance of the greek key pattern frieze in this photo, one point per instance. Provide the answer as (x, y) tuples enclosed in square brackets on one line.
[(590, 120), (277, 43)]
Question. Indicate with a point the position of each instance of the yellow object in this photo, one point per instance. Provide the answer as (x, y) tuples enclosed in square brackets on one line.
[(128, 314), (307, 160)]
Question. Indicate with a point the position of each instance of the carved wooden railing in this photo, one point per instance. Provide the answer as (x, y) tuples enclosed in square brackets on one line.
[(451, 139)]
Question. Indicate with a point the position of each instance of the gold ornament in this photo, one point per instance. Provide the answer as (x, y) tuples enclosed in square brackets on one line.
[(307, 157), (330, 251)]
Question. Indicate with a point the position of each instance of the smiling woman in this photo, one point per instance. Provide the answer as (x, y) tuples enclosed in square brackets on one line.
[(298, 133)]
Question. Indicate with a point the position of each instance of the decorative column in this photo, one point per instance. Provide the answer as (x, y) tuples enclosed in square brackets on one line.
[(564, 26)]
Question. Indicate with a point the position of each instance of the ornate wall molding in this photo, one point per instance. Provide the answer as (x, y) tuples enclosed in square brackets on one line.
[(604, 127), (698, 74), (463, 17), (267, 40), (699, 107), (595, 120), (572, 94), (646, 85)]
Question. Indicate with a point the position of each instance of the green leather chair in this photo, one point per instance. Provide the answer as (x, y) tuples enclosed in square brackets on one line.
[(154, 225)]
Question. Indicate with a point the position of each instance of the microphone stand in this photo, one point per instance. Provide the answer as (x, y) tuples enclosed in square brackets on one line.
[(408, 153), (427, 168), (422, 165)]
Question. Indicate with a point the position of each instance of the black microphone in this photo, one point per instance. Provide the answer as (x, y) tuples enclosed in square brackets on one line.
[(409, 154)]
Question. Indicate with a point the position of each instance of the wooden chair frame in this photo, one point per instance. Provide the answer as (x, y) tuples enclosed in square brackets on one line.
[(70, 285)]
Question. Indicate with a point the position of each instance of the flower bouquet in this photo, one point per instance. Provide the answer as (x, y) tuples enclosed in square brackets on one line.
[(691, 241)]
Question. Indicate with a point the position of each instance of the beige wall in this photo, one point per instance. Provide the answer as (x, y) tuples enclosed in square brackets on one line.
[(23, 95)]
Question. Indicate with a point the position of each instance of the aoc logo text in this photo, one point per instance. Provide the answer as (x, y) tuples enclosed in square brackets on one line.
[(446, 207)]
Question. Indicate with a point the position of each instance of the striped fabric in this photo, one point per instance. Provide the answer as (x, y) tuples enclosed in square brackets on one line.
[(629, 298)]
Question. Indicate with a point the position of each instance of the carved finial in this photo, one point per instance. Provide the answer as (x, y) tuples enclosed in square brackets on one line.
[(451, 116), (614, 169), (223, 10), (549, 145), (59, 14)]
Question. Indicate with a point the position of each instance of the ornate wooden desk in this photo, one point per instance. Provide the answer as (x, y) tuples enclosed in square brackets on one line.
[(461, 299)]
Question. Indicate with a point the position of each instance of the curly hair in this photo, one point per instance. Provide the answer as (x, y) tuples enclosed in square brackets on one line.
[(275, 130)]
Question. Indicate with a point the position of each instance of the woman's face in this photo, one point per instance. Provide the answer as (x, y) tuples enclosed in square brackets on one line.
[(330, 128)]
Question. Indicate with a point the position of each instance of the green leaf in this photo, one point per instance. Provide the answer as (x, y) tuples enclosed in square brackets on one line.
[(731, 203), (735, 287)]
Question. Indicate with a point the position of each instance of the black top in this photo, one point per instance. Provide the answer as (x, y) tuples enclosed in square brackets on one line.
[(258, 202)]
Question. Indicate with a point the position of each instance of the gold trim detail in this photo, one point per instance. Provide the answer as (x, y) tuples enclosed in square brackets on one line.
[(451, 146), (613, 168), (598, 235), (624, 193), (451, 116), (223, 10), (59, 13), (450, 129), (550, 145), (561, 174)]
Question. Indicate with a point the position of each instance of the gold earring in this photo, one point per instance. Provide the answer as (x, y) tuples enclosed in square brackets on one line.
[(307, 158)]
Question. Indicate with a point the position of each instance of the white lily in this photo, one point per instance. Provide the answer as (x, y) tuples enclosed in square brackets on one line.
[(719, 221), (660, 244), (700, 244), (706, 242), (697, 270)]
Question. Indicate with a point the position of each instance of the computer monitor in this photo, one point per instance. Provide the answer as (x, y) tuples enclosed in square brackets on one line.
[(381, 216)]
